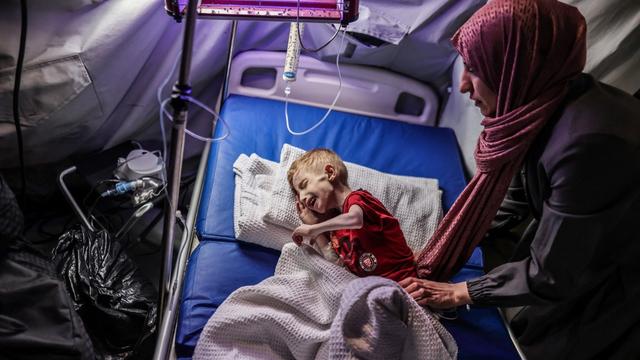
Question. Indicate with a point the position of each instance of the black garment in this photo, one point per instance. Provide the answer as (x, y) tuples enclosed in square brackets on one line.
[(37, 318), (576, 267), (11, 218)]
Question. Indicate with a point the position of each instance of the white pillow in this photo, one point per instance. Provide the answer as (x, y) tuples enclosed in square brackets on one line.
[(415, 202), (254, 180)]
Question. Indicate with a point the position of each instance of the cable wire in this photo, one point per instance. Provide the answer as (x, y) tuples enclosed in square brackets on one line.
[(164, 112), (16, 96), (300, 37)]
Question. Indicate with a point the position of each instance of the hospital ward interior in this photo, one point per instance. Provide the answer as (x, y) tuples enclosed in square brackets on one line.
[(319, 179)]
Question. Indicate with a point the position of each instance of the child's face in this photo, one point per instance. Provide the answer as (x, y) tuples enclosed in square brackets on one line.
[(315, 189)]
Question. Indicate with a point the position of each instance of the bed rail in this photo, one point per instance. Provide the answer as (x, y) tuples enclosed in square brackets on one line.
[(166, 330)]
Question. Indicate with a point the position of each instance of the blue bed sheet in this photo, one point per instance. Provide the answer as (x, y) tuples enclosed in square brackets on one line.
[(257, 126), (221, 264)]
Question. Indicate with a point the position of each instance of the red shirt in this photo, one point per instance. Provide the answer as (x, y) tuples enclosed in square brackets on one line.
[(379, 247)]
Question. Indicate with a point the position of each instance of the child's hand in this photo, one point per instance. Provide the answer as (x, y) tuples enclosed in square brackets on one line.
[(310, 217), (307, 216), (301, 232)]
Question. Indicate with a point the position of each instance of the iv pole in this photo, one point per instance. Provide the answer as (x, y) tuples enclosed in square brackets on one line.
[(179, 101), (181, 91), (166, 326)]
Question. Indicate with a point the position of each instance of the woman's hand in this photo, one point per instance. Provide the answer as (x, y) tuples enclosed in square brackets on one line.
[(436, 294)]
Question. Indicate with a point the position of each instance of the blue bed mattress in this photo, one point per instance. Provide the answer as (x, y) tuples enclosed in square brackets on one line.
[(220, 264)]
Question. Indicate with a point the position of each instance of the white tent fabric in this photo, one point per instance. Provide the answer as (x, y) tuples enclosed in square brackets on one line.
[(92, 66), (613, 40)]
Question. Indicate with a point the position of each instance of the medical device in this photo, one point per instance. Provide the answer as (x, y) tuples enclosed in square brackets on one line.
[(333, 11), (139, 163), (287, 89), (290, 72), (123, 187), (142, 190), (293, 52)]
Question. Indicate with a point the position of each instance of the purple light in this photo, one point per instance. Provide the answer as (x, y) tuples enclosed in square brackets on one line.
[(343, 11)]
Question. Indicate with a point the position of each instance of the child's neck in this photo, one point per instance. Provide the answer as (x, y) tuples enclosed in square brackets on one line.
[(341, 192)]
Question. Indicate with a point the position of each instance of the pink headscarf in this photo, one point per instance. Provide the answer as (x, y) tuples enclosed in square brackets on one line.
[(526, 51)]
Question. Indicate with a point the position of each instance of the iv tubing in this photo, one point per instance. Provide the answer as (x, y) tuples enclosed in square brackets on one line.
[(287, 91)]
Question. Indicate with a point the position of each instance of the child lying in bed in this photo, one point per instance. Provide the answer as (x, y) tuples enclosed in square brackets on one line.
[(352, 226)]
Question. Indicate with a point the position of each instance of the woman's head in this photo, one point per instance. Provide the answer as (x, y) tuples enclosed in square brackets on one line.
[(516, 50), (479, 92)]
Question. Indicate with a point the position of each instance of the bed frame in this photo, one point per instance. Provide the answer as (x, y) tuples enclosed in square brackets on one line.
[(397, 97)]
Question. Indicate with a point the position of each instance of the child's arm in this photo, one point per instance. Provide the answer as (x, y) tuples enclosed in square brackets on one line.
[(354, 219), (322, 244)]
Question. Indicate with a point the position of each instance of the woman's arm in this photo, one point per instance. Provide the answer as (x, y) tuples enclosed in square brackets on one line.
[(513, 210), (591, 182), (436, 294)]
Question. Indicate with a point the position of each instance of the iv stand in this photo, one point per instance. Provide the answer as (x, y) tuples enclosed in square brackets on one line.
[(181, 91)]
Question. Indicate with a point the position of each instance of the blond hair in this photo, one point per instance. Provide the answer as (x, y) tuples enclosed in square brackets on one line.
[(317, 159)]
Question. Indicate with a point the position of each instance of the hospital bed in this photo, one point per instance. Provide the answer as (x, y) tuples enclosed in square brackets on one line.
[(382, 120)]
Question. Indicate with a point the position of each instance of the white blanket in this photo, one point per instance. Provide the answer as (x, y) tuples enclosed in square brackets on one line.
[(312, 309)]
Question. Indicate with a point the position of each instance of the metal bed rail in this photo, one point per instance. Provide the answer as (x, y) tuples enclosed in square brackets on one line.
[(510, 332), (166, 330)]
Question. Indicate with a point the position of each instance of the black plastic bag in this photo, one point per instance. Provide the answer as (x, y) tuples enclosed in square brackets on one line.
[(115, 300)]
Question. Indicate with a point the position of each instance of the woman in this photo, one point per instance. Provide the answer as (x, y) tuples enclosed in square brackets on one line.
[(575, 143)]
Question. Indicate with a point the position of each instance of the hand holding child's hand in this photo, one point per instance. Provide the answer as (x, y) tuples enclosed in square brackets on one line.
[(301, 232)]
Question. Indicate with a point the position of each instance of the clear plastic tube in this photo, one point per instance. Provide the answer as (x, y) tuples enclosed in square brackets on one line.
[(164, 112), (287, 91)]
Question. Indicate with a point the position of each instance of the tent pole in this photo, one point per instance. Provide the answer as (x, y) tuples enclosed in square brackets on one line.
[(232, 39)]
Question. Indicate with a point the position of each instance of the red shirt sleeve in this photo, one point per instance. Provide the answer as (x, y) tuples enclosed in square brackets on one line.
[(371, 207)]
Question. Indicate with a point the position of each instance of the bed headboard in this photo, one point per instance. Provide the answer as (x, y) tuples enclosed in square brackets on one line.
[(365, 90)]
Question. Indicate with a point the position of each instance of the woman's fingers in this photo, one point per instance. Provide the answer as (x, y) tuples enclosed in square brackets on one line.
[(406, 281), (414, 287), (423, 302), (418, 294), (411, 287), (426, 292)]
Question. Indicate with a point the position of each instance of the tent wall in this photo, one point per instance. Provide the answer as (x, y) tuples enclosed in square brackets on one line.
[(104, 60)]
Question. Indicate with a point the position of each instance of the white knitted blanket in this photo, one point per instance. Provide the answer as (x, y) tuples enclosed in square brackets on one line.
[(312, 309), (264, 209)]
